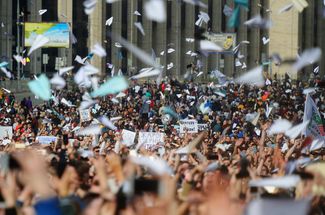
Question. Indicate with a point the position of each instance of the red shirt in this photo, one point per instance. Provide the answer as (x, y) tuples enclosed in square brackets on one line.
[(163, 87)]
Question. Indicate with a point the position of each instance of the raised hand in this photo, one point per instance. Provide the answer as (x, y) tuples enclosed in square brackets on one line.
[(8, 188)]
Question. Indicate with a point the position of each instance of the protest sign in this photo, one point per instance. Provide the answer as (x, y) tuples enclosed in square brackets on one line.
[(128, 137), (85, 115), (190, 126), (149, 139), (5, 131), (203, 127), (46, 139)]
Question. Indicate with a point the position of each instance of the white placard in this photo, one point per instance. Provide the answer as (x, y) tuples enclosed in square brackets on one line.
[(203, 127), (149, 139), (5, 131), (190, 126), (46, 139), (128, 137), (85, 115)]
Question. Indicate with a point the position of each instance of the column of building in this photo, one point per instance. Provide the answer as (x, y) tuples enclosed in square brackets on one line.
[(174, 36), (253, 59), (203, 60), (310, 31), (159, 40), (146, 42), (216, 22), (116, 28), (283, 36), (96, 30), (264, 48), (228, 59), (6, 37), (65, 14), (242, 33), (133, 36), (320, 34), (311, 35), (35, 66)]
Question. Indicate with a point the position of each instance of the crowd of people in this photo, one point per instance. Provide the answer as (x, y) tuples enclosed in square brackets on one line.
[(227, 167)]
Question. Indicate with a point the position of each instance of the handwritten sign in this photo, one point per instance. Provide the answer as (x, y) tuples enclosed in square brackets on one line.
[(5, 131), (85, 115), (190, 126), (203, 127), (128, 137), (149, 139)]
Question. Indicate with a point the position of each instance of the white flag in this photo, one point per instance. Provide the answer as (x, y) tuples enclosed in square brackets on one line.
[(315, 127)]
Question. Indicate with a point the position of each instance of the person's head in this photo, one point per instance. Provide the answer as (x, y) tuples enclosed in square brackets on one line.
[(209, 181), (96, 151), (80, 174)]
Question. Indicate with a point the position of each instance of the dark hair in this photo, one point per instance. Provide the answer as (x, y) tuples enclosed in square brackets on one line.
[(223, 169), (243, 172)]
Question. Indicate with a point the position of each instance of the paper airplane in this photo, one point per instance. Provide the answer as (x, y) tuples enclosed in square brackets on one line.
[(41, 12), (258, 22), (89, 6), (139, 53), (41, 87), (286, 8), (137, 13), (280, 126), (308, 57), (58, 82), (6, 72), (265, 40), (111, 1), (196, 3), (112, 86), (99, 50), (38, 43), (139, 26), (65, 70), (155, 10), (109, 21), (252, 77)]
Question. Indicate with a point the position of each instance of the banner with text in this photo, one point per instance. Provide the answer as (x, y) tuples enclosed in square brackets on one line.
[(149, 139), (128, 137), (227, 41), (5, 131), (203, 127), (85, 115), (190, 126)]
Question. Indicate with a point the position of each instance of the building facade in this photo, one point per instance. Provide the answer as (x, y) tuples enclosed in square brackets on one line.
[(159, 37), (312, 34), (180, 24)]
